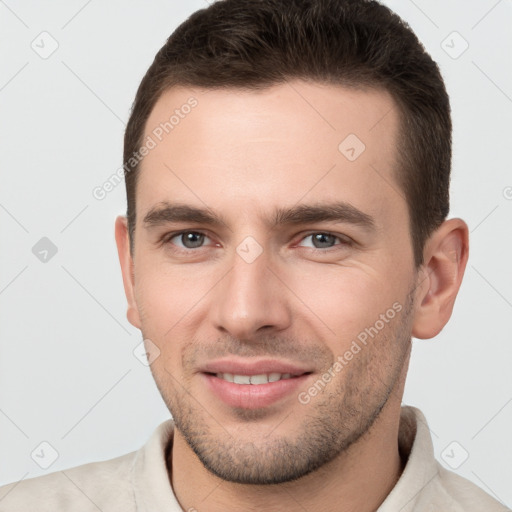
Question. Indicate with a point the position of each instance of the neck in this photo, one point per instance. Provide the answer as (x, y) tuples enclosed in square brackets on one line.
[(358, 479)]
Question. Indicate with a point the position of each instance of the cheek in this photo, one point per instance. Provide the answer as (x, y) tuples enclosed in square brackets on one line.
[(166, 297), (344, 301)]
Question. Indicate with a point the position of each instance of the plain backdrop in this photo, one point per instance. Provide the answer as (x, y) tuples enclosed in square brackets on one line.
[(68, 375)]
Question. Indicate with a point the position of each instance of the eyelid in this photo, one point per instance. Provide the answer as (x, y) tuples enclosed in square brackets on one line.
[(167, 237)]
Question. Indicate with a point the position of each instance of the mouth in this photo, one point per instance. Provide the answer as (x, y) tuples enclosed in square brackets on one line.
[(255, 380), (254, 386)]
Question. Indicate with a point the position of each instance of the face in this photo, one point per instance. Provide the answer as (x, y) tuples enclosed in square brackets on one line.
[(273, 272)]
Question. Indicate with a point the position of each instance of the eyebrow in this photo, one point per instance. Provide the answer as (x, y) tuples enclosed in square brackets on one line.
[(166, 212), (309, 214)]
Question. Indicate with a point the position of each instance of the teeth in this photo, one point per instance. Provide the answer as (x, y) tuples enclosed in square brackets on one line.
[(259, 379), (262, 378), (241, 379)]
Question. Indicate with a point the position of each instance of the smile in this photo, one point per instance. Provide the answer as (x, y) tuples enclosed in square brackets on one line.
[(263, 378), (255, 391)]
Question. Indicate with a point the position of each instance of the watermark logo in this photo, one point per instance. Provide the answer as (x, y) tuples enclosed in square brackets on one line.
[(45, 45), (249, 249), (44, 455), (351, 147), (454, 45), (343, 360), (455, 455), (44, 250), (146, 352)]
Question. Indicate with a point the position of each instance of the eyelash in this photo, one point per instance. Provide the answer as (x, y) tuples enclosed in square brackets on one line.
[(166, 239), (344, 241)]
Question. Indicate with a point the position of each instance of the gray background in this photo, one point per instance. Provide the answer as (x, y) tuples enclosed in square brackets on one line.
[(68, 375)]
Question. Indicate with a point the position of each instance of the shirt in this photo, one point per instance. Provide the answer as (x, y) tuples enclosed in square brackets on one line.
[(139, 481)]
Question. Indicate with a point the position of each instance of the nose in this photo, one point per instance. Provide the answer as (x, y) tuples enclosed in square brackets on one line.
[(250, 299)]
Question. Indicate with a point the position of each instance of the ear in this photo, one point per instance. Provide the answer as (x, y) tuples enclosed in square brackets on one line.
[(445, 257), (127, 269)]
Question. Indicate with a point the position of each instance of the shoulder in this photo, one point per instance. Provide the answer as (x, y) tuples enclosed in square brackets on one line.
[(468, 496), (451, 492), (104, 485), (425, 485)]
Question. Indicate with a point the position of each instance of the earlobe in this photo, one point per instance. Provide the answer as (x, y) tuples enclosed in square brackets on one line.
[(445, 257), (127, 269)]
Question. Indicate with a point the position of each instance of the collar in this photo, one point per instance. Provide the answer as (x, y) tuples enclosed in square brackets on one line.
[(421, 469)]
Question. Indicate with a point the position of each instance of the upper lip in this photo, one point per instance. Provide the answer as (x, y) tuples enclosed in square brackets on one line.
[(241, 367)]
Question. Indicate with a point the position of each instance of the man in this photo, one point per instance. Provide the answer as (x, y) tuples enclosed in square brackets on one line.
[(287, 169)]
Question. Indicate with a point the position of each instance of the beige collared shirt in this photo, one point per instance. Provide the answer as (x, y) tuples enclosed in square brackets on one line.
[(139, 482)]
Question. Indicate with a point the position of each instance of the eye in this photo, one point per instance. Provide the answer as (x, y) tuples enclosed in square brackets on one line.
[(322, 240), (188, 239)]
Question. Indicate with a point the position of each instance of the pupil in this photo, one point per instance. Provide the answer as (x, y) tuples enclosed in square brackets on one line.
[(321, 240), (192, 240)]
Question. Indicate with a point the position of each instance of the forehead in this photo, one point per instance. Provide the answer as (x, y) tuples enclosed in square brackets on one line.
[(239, 150)]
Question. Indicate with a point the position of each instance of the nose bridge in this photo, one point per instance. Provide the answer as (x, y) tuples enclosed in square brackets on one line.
[(248, 298)]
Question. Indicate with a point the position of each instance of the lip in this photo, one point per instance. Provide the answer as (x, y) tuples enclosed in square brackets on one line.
[(241, 367), (250, 396)]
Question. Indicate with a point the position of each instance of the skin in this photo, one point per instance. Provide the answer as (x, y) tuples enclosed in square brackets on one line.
[(242, 155)]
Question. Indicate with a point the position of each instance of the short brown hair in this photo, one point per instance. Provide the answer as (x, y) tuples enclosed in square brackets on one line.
[(253, 44)]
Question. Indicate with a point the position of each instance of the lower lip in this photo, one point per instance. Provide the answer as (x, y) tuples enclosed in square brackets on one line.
[(254, 396)]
